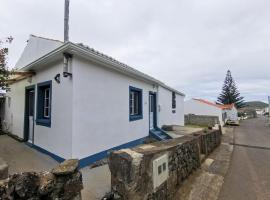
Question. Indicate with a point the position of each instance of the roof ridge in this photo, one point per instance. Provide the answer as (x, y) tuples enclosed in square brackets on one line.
[(45, 38)]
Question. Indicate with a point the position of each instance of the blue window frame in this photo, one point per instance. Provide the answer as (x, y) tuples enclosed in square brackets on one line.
[(173, 102), (44, 99), (135, 103)]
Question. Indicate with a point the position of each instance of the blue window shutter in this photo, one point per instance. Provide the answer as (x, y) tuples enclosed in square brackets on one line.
[(40, 119), (139, 92)]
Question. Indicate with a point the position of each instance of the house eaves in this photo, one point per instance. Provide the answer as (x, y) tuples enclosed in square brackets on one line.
[(95, 56)]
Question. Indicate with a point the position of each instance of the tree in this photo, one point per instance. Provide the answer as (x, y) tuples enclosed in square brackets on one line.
[(230, 93), (4, 72)]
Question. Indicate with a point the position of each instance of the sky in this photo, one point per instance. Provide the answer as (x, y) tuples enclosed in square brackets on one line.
[(188, 44)]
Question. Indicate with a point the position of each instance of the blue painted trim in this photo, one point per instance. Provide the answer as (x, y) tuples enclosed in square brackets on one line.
[(30, 87), (90, 159), (164, 133), (155, 108), (98, 156), (39, 119), (55, 157), (140, 115), (26, 106)]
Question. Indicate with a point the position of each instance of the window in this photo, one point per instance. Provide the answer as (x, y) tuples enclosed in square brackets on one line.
[(46, 111), (44, 96), (135, 103), (173, 102)]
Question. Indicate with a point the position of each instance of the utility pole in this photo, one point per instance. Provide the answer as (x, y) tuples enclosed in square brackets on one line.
[(66, 21), (269, 108)]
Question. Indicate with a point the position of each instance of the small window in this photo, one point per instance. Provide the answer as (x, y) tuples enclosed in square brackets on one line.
[(44, 97), (135, 103), (164, 166), (46, 110), (173, 102)]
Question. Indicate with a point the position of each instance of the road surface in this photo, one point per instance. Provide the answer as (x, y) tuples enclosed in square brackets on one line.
[(248, 177)]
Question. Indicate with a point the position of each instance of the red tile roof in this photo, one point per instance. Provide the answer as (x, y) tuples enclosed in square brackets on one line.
[(227, 106)]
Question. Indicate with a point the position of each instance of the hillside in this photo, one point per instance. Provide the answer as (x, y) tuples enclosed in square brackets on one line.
[(256, 104)]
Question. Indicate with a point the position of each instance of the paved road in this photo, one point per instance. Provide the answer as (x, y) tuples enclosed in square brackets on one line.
[(249, 175)]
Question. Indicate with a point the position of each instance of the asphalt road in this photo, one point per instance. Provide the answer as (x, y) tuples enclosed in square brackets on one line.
[(248, 177)]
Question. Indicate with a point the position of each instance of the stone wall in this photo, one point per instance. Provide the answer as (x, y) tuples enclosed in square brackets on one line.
[(63, 182), (132, 169), (201, 120)]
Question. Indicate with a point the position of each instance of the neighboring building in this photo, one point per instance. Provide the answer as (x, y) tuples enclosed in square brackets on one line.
[(2, 106), (231, 111), (259, 111), (80, 103), (203, 107), (266, 110)]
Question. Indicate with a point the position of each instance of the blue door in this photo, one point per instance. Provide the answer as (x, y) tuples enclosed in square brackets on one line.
[(152, 111)]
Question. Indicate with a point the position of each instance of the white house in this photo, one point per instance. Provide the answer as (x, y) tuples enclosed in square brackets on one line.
[(80, 103), (204, 107)]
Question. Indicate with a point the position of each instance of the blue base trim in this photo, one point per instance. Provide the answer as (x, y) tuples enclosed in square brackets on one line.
[(55, 157), (90, 159), (98, 156)]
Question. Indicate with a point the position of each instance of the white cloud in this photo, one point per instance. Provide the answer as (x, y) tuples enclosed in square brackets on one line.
[(188, 44)]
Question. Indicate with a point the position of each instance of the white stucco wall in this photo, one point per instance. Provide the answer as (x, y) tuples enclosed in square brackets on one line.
[(166, 116), (198, 108), (231, 114), (101, 109), (14, 112), (57, 138), (36, 47), (90, 112)]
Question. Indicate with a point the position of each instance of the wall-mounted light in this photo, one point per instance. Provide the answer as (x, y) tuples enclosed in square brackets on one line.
[(57, 78), (67, 62)]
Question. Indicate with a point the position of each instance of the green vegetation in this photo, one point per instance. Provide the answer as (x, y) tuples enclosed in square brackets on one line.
[(230, 93), (255, 104), (4, 73)]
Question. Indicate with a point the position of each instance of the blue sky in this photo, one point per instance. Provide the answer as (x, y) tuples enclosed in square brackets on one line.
[(187, 44)]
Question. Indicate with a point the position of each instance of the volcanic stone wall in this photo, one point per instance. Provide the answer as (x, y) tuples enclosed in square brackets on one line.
[(132, 169), (63, 182), (201, 120)]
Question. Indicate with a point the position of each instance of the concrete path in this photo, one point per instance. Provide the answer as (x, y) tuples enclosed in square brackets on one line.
[(21, 158), (248, 177)]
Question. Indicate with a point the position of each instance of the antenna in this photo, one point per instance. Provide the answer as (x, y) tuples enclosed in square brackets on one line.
[(66, 21)]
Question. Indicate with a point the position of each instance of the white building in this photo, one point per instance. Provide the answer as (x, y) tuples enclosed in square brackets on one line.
[(80, 103), (203, 107)]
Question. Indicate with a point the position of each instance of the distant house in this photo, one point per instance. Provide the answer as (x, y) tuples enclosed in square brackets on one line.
[(80, 103), (2, 111), (204, 107)]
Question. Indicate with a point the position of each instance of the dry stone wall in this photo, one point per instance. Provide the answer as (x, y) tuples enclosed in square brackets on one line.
[(132, 170), (201, 120), (63, 182)]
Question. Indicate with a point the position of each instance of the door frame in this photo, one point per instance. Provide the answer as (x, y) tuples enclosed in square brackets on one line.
[(26, 113), (154, 94)]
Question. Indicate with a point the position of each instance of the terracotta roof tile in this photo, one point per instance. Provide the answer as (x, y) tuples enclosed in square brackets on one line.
[(227, 106)]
